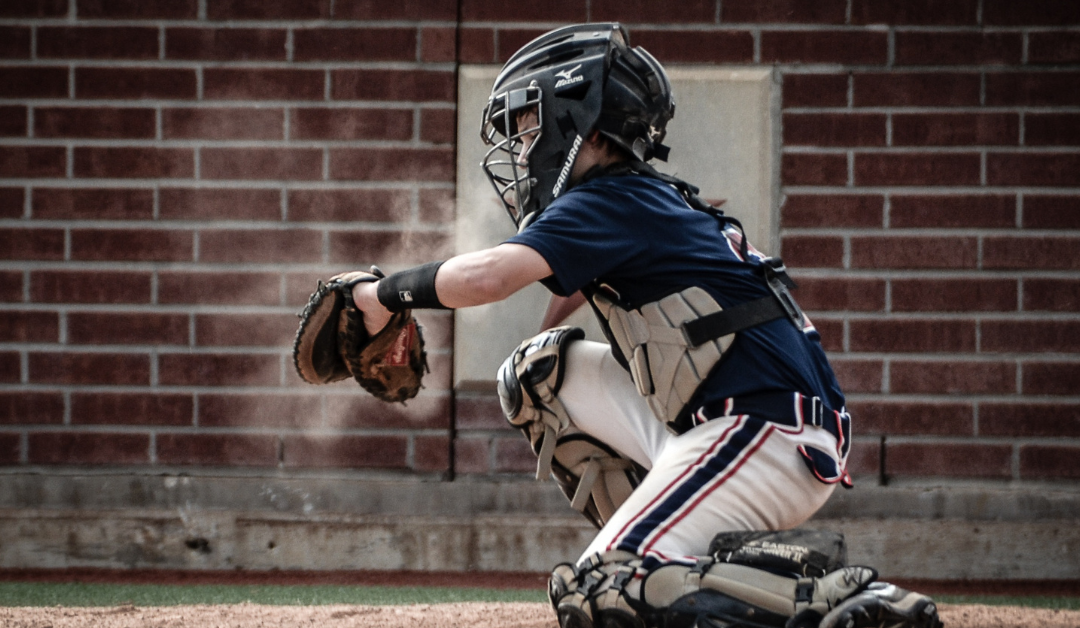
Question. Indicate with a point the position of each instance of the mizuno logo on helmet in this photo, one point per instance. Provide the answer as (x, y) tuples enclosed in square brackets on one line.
[(566, 167), (568, 77)]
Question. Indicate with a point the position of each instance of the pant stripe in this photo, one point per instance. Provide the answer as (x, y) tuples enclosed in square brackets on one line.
[(709, 472)]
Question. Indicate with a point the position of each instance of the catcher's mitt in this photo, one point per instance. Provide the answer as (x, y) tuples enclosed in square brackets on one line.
[(332, 344)]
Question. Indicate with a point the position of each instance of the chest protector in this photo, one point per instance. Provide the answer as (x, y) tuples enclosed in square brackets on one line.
[(671, 345)]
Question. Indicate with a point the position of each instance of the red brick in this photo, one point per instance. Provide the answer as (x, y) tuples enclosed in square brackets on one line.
[(438, 125), (831, 332), (939, 419), (1037, 88), (513, 455), (132, 245), (912, 336), (1054, 47), (371, 452), (471, 455), (952, 211), (10, 367), (365, 411), (431, 453), (267, 9), (218, 450), (1049, 462), (917, 169), (1050, 253), (14, 42), (1051, 295), (135, 83), (11, 286), (260, 245), (1030, 336), (403, 85), (355, 44), (813, 251), (847, 47), (122, 328), (134, 163), (12, 202), (101, 42), (31, 408), (834, 129), (1052, 378), (864, 458), (510, 40), (411, 10), (88, 448), (554, 11), (349, 205), (782, 11), (33, 82), (814, 169), (952, 460), (858, 376), (1029, 419), (227, 288), (223, 124), (1033, 169), (139, 9), (29, 326), (352, 124), (945, 48), (954, 295), (1054, 129), (225, 44), (10, 449), (92, 204), (924, 12), (884, 89), (956, 377), (704, 47), (263, 84), (1030, 13), (820, 210), (261, 163), (121, 369), (438, 44), (13, 121), (57, 286), (32, 244), (437, 206), (913, 252), (392, 164), (955, 129), (815, 90), (1051, 212), (32, 161), (291, 411), (34, 8), (191, 369), (131, 409), (477, 45), (387, 247), (225, 204), (837, 295), (268, 330)]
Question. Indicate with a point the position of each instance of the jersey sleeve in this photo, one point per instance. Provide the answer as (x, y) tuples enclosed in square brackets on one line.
[(582, 237)]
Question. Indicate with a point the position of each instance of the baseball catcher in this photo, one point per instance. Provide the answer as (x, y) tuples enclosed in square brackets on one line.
[(711, 425)]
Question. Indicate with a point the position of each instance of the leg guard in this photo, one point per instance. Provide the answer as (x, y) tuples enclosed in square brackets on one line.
[(593, 476), (602, 591), (884, 604)]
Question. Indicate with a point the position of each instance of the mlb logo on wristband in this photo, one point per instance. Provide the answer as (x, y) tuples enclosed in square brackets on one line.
[(405, 296)]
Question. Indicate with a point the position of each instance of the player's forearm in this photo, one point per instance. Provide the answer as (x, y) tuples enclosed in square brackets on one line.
[(488, 276)]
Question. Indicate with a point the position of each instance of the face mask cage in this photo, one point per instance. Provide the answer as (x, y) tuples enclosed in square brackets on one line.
[(506, 164)]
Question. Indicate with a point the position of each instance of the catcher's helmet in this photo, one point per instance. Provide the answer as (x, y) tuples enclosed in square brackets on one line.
[(579, 79)]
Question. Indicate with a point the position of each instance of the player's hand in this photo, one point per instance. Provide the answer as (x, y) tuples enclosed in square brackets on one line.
[(365, 295)]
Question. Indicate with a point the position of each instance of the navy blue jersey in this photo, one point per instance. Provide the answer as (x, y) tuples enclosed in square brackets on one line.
[(637, 235)]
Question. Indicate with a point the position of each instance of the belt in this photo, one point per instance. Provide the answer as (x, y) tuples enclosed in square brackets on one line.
[(785, 408)]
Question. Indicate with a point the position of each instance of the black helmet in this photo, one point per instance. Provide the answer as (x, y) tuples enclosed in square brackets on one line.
[(579, 78)]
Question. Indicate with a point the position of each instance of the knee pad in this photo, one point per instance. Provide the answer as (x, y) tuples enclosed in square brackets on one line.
[(595, 478)]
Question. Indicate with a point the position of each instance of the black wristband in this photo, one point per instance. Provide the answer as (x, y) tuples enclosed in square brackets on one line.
[(411, 289)]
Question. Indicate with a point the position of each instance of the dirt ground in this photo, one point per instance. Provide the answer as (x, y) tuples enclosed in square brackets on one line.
[(464, 615)]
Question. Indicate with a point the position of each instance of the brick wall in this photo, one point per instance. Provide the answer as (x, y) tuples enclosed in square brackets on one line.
[(175, 174)]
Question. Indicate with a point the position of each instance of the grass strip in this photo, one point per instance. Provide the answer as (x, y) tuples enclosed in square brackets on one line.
[(1030, 601), (84, 594)]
